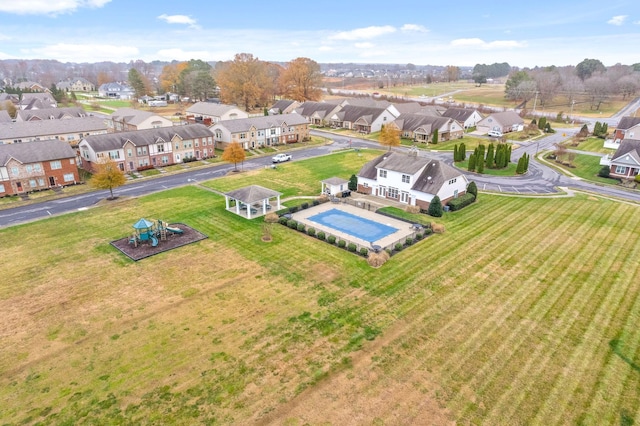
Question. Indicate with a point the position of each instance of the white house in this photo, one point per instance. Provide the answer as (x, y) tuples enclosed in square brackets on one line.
[(625, 163), (260, 131), (468, 117), (410, 179), (363, 119), (127, 119), (209, 113), (505, 122)]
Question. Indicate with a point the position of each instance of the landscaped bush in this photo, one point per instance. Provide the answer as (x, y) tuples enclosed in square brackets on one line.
[(605, 172), (408, 241), (342, 243), (419, 236), (311, 232), (315, 203), (292, 224), (300, 227), (293, 209), (364, 252), (283, 220), (398, 247), (428, 231), (352, 247), (271, 218), (461, 202), (304, 205), (321, 235), (331, 239), (378, 259)]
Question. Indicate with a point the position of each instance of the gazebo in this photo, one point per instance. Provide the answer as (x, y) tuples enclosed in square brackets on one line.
[(253, 200), (334, 186)]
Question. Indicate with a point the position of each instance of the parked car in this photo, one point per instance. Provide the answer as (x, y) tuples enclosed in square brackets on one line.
[(279, 158), (495, 134)]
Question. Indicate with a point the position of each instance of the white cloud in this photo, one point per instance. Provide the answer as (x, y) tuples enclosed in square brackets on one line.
[(325, 48), (4, 37), (48, 7), (363, 33), (481, 44), (67, 52), (178, 19), (617, 20), (414, 28), (636, 22), (365, 45)]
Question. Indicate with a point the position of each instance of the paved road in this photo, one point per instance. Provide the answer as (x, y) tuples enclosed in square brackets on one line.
[(541, 179)]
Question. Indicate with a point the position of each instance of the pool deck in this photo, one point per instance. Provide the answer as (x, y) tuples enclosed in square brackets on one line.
[(404, 229)]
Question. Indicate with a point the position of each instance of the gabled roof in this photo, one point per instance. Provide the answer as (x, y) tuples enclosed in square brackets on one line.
[(308, 108), (416, 108), (34, 152), (29, 129), (252, 194), (282, 105), (335, 181), (370, 169), (630, 147), (113, 141), (628, 122), (115, 87), (5, 117), (366, 102), (460, 114), (404, 163), (209, 108), (352, 113), (506, 118), (412, 122), (434, 175), (261, 122), (133, 116), (50, 113)]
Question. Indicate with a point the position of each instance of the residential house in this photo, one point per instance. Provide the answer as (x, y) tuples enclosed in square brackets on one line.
[(417, 108), (283, 106), (70, 130), (128, 119), (10, 97), (628, 128), (77, 84), (142, 149), (116, 90), (410, 179), (261, 131), (468, 117), (421, 128), (50, 114), (5, 117), (317, 113), (209, 113), (31, 85), (363, 119), (625, 163), (37, 101), (35, 166), (505, 122)]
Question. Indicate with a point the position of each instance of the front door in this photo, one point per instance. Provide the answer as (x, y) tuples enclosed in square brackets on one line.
[(52, 181), (404, 197), (19, 186)]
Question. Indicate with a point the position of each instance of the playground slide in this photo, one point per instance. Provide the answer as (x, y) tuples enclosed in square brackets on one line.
[(154, 241), (174, 230)]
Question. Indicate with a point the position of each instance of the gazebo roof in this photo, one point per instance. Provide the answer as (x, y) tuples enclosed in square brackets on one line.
[(335, 181), (143, 224), (252, 194)]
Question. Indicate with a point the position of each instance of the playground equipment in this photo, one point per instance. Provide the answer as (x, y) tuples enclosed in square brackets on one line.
[(147, 231)]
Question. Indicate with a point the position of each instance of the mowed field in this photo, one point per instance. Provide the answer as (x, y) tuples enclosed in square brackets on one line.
[(525, 311)]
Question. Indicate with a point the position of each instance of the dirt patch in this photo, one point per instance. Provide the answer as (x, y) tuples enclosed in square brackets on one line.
[(174, 240)]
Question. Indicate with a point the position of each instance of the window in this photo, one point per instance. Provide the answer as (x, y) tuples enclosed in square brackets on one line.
[(129, 152), (29, 168), (177, 146), (40, 182), (2, 188), (55, 165), (15, 171), (32, 183), (620, 170), (452, 181), (383, 173), (406, 179), (243, 135), (273, 131), (114, 155), (68, 177), (365, 185), (161, 147), (37, 168), (165, 159), (392, 193)]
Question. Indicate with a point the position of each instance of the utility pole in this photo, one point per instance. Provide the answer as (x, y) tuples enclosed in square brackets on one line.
[(535, 101), (571, 113)]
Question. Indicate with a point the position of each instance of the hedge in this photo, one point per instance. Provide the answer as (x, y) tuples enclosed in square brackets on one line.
[(461, 202)]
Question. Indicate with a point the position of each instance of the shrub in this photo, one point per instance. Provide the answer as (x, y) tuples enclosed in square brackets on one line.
[(472, 188), (321, 235), (378, 259), (300, 227), (408, 241), (342, 243), (398, 247), (292, 224), (461, 202), (304, 205), (283, 220), (435, 207), (419, 236), (352, 247), (315, 203), (311, 232), (293, 209), (604, 172), (271, 218), (364, 252), (427, 232), (331, 239)]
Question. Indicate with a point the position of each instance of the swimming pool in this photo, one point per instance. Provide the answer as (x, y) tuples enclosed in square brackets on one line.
[(359, 227)]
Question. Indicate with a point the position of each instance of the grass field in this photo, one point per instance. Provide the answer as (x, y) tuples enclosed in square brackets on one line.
[(592, 144), (587, 167), (524, 312)]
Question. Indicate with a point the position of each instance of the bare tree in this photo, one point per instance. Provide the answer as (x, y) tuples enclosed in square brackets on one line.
[(599, 89), (547, 83)]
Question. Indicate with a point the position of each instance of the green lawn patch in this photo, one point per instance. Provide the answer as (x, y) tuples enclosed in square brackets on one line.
[(591, 144), (586, 167), (510, 170)]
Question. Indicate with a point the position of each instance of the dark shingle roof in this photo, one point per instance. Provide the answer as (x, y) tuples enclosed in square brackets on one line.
[(307, 109), (434, 176), (411, 122), (628, 146), (460, 114), (28, 129), (351, 113), (209, 108), (628, 122), (262, 122), (33, 152), (112, 141), (5, 117), (252, 194), (48, 113)]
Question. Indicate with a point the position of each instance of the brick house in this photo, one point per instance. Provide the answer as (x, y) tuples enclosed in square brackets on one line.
[(36, 166), (261, 131), (625, 163), (421, 128)]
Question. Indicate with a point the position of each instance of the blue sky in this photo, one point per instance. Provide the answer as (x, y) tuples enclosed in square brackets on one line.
[(461, 32)]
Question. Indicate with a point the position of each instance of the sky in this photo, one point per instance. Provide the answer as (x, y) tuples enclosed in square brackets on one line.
[(460, 33)]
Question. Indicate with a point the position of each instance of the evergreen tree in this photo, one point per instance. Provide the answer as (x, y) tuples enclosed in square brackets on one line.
[(455, 153), (136, 82), (490, 156), (500, 157), (542, 123), (520, 166), (434, 139), (526, 162), (472, 188), (353, 183), (597, 128), (480, 164), (462, 152), (472, 163), (435, 207), (534, 122), (508, 156)]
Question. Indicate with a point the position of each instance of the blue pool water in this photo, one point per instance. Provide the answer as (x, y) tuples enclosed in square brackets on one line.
[(356, 226)]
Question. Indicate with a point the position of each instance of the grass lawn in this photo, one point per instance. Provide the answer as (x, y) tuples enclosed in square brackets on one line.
[(524, 312), (586, 167), (591, 144)]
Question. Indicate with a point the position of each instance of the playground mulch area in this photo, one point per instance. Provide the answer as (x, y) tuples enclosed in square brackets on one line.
[(145, 249)]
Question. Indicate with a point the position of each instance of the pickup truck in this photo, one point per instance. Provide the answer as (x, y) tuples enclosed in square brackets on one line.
[(279, 158)]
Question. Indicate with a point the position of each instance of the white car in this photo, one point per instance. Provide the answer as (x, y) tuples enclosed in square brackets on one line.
[(495, 134), (279, 158)]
